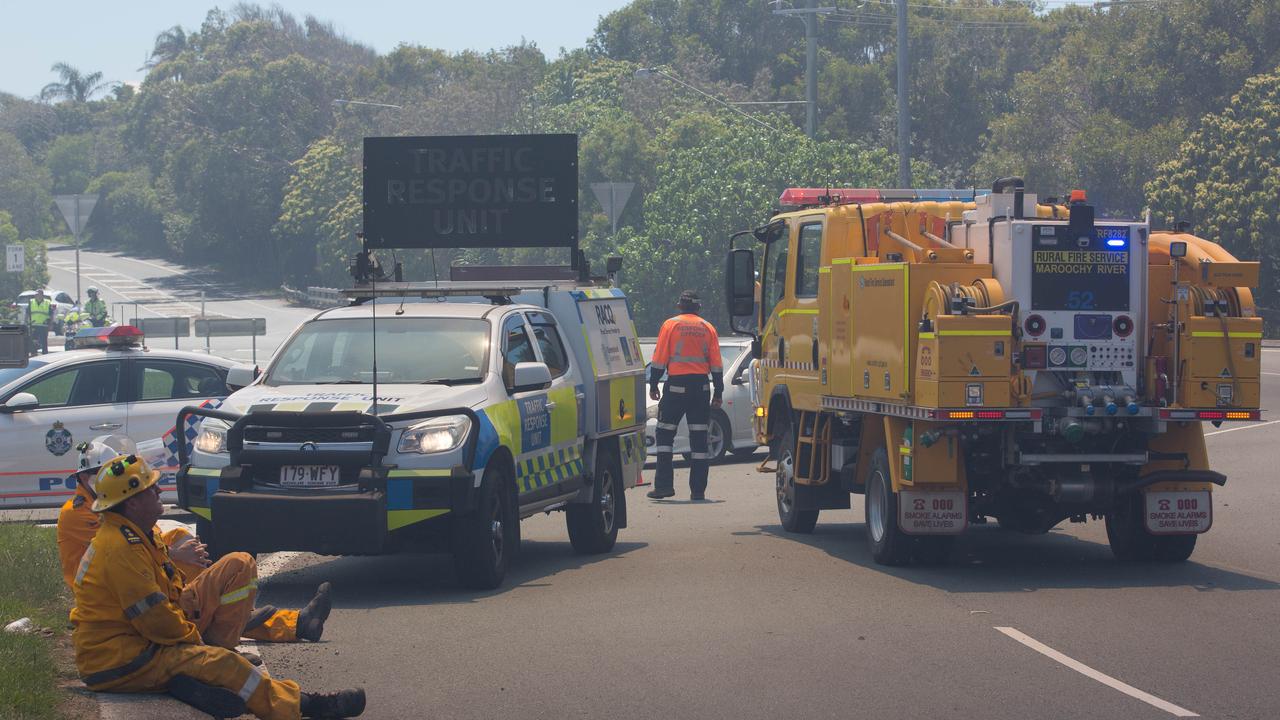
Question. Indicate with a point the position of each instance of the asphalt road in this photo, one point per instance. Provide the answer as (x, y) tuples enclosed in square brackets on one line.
[(713, 611), (149, 288)]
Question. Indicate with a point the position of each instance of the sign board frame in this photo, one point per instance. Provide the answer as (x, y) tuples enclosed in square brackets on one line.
[(15, 258), (13, 346), (230, 327), (471, 191)]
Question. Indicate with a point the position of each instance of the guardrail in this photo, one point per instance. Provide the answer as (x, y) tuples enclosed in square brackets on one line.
[(317, 297)]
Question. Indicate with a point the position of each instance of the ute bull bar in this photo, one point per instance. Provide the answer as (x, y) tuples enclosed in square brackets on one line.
[(356, 515)]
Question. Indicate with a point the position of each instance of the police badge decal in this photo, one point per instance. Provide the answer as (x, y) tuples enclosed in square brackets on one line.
[(58, 439)]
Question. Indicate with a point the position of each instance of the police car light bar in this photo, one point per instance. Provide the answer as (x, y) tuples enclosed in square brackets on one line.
[(119, 336), (1175, 414), (814, 197)]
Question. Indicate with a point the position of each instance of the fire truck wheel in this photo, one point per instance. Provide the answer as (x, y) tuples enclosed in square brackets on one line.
[(1130, 540), (593, 527), (889, 545), (484, 540), (793, 520)]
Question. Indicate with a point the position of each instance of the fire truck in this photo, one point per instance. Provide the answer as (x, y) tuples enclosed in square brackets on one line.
[(958, 357)]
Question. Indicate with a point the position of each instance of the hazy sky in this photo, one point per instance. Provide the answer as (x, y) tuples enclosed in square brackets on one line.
[(115, 36)]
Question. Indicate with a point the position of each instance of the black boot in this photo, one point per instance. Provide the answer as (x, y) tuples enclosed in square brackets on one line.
[(657, 494), (343, 704), (311, 618)]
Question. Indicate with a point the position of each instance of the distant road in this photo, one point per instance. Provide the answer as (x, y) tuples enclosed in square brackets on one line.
[(148, 288)]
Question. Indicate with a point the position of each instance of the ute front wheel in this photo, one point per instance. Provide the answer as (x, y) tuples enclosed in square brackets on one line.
[(484, 540)]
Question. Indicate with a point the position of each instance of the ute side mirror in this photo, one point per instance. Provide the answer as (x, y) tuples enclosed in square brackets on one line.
[(530, 376), (241, 376), (21, 401), (740, 290)]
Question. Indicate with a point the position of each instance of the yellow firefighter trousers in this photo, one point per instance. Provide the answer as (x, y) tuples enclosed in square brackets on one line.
[(267, 698), (219, 601)]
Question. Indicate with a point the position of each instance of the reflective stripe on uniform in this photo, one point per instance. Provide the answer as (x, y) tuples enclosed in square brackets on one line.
[(84, 564), (662, 449), (699, 456), (115, 673), (144, 605), (689, 358), (251, 683), (675, 389), (238, 594), (668, 426), (695, 427)]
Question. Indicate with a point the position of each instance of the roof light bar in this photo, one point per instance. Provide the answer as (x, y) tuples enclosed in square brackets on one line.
[(815, 197), (118, 336)]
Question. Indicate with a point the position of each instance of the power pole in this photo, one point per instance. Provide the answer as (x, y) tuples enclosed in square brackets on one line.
[(810, 16), (904, 110)]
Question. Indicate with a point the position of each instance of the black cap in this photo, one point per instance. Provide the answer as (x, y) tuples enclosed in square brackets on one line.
[(689, 302)]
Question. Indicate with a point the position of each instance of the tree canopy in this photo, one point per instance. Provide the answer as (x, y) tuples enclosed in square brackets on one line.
[(241, 148)]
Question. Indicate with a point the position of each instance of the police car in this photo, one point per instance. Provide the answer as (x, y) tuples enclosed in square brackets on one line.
[(439, 421), (115, 385)]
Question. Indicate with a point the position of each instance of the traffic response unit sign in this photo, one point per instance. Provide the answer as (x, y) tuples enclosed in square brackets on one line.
[(471, 191)]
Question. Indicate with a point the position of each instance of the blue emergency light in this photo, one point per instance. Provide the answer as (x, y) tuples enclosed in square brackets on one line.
[(1114, 237)]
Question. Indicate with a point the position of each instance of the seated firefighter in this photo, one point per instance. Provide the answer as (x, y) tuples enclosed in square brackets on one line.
[(131, 632), (218, 599)]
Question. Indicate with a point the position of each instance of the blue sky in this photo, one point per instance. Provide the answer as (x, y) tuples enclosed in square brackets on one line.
[(115, 36)]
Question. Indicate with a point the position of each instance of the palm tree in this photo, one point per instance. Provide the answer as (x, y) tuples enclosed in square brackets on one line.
[(169, 45), (74, 87)]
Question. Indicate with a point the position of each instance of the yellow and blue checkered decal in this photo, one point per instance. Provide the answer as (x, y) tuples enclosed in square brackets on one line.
[(546, 444)]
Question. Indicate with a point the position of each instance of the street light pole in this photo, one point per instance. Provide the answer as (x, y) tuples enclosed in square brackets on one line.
[(904, 111), (810, 16)]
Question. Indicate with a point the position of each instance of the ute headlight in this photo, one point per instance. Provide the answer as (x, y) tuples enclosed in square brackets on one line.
[(212, 439), (435, 435)]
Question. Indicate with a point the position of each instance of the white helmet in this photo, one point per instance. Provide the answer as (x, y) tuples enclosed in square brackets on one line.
[(103, 449)]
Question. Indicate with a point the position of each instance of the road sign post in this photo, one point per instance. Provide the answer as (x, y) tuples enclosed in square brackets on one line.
[(613, 198), (76, 210)]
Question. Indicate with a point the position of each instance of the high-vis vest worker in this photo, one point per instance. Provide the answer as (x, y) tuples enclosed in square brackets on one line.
[(687, 345), (218, 600), (97, 310), (39, 311), (131, 634)]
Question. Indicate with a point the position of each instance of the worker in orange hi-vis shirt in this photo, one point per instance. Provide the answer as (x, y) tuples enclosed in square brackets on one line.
[(688, 354), (218, 597)]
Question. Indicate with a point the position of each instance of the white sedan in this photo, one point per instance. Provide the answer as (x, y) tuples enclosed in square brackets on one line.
[(119, 387), (730, 430)]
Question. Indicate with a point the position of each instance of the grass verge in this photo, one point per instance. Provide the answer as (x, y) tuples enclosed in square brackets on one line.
[(30, 586)]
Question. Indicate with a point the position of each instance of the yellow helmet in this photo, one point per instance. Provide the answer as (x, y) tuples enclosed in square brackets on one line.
[(120, 479)]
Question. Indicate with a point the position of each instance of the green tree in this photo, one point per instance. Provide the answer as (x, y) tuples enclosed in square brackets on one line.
[(320, 214), (74, 86), (129, 214), (730, 182), (1225, 181), (24, 189)]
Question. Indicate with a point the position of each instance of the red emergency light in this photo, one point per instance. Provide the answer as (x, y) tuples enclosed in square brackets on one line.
[(118, 336), (814, 197), (1176, 414)]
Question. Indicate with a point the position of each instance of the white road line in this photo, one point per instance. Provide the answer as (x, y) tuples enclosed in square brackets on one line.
[(1264, 372), (1089, 672), (198, 280), (1243, 427)]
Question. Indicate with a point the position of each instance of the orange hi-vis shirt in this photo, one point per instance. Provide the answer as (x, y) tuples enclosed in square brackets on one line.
[(687, 345)]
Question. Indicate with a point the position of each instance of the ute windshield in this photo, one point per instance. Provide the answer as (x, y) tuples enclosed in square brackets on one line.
[(413, 350)]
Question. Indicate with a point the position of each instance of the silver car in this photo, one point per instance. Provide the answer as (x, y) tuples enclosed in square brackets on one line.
[(730, 430)]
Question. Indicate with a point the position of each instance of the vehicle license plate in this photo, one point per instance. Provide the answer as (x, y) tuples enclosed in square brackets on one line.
[(309, 476)]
